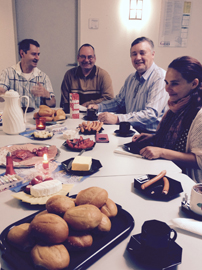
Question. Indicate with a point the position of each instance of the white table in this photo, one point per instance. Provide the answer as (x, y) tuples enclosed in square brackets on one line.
[(121, 190), (113, 164), (116, 176)]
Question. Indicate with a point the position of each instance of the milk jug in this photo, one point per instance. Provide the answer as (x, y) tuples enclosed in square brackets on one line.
[(13, 119)]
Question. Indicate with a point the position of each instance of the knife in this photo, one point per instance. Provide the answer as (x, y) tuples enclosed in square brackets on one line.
[(68, 167)]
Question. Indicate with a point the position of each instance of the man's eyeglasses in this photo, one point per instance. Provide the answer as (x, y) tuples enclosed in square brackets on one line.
[(89, 57)]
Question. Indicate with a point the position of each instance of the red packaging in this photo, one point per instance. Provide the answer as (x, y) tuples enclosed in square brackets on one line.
[(74, 105)]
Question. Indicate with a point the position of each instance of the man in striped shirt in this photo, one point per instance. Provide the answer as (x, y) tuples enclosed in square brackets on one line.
[(27, 79), (142, 100)]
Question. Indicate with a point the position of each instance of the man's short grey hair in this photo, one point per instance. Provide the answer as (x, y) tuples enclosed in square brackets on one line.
[(142, 39)]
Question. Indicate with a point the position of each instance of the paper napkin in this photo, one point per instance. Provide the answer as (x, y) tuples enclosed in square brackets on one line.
[(187, 224)]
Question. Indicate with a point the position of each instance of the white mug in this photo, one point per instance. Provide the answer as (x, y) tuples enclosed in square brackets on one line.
[(196, 199)]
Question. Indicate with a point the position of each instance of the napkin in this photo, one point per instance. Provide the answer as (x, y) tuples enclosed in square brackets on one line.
[(187, 224), (120, 150)]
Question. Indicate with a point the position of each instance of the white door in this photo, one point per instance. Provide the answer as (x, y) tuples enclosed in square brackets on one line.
[(53, 23)]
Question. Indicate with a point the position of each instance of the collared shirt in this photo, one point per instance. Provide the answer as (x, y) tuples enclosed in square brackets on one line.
[(12, 78), (145, 108), (94, 88)]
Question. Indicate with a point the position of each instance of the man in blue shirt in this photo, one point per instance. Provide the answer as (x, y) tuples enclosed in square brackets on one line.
[(142, 100)]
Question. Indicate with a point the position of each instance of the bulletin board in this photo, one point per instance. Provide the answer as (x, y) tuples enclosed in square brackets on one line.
[(174, 24)]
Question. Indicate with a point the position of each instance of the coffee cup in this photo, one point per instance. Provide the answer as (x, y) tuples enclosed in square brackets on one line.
[(196, 199), (91, 113), (157, 235), (124, 127)]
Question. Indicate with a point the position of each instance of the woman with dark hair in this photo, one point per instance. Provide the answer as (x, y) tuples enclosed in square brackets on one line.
[(179, 134)]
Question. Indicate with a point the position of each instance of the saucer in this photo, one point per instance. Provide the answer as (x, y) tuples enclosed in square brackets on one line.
[(171, 257), (124, 134), (185, 207), (90, 118)]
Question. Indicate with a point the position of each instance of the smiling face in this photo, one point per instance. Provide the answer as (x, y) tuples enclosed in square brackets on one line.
[(30, 59), (176, 86), (86, 59), (142, 56)]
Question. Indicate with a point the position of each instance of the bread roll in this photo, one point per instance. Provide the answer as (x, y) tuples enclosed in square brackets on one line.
[(45, 111), (109, 209), (49, 228), (59, 117), (59, 204), (105, 224), (42, 213), (20, 235), (93, 195), (78, 241), (60, 112), (54, 257), (83, 217)]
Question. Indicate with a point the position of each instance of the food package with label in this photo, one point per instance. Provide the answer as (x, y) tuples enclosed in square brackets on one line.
[(74, 105)]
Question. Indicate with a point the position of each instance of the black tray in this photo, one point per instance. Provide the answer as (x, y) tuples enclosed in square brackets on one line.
[(77, 149), (155, 190), (122, 225), (96, 165), (172, 256)]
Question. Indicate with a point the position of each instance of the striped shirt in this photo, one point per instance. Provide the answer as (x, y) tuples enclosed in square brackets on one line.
[(141, 101), (12, 78)]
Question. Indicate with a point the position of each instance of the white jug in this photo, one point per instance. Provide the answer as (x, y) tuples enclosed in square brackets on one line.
[(13, 119)]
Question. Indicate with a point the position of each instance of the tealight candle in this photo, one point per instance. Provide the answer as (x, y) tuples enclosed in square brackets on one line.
[(40, 123), (45, 162)]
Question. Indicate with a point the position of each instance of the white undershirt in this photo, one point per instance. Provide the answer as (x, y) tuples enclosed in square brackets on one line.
[(26, 75)]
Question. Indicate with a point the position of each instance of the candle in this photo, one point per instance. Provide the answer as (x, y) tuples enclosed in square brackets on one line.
[(40, 123), (45, 162)]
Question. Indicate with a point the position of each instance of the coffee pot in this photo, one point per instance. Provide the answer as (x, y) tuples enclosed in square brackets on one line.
[(13, 119)]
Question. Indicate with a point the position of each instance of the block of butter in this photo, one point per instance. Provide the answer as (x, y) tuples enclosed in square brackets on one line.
[(81, 163)]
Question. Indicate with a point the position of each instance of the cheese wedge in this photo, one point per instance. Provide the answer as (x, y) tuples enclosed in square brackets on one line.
[(46, 188), (81, 163)]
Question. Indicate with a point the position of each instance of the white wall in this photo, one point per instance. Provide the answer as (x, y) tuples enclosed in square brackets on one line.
[(113, 38), (7, 43), (115, 34)]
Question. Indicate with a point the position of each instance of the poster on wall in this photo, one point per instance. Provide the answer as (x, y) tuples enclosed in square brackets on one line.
[(174, 25)]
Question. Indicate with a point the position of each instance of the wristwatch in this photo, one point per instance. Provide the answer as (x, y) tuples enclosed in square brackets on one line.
[(51, 95)]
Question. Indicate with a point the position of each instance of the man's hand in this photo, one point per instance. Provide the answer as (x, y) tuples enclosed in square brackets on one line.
[(108, 118), (92, 106), (2, 91), (39, 91)]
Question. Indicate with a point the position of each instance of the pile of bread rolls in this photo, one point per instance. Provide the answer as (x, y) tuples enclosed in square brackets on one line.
[(50, 114), (66, 225)]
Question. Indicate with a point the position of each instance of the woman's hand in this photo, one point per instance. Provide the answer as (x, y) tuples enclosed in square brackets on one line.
[(151, 152), (141, 137)]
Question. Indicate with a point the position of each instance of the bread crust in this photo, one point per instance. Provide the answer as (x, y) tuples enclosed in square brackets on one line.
[(105, 224), (20, 235), (49, 228), (109, 208), (59, 204), (93, 195), (83, 217), (54, 257), (78, 241)]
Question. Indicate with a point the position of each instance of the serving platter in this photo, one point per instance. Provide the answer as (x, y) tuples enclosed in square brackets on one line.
[(4, 150), (122, 225), (154, 191), (96, 165), (77, 149), (28, 198)]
